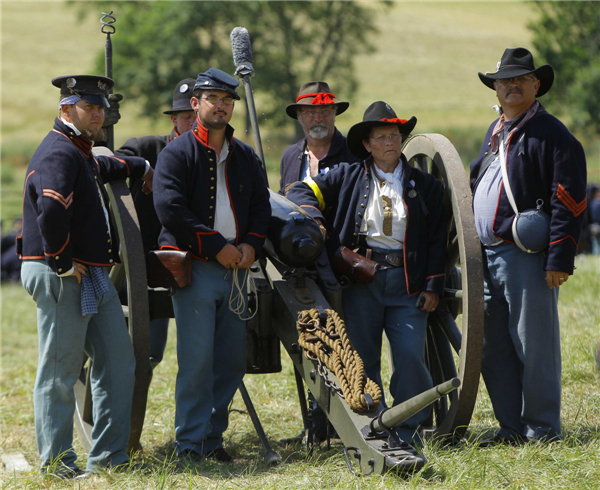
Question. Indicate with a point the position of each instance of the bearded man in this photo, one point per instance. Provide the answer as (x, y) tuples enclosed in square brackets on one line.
[(212, 200), (68, 245), (323, 146)]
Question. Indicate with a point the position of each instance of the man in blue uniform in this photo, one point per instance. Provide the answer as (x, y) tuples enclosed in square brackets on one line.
[(392, 213), (68, 245), (212, 200), (148, 147), (544, 167), (323, 146)]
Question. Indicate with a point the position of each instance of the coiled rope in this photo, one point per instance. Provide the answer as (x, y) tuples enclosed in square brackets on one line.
[(330, 345), (237, 297)]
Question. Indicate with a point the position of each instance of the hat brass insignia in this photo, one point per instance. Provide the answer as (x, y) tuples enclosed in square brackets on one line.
[(183, 88), (102, 86), (71, 82)]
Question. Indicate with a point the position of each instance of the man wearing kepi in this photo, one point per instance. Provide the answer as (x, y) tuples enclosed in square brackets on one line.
[(148, 147), (68, 246), (391, 213), (212, 200), (323, 146), (529, 164)]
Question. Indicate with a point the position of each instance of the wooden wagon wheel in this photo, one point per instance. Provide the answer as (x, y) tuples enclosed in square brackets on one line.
[(435, 154), (132, 268)]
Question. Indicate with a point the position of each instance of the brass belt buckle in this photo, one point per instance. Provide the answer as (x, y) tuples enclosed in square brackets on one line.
[(394, 260)]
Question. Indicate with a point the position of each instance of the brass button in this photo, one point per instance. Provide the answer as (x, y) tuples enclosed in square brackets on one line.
[(210, 160), (352, 244), (109, 251), (367, 187), (355, 234), (357, 224), (59, 270), (56, 258), (362, 205), (210, 217), (212, 187), (189, 246), (360, 214), (486, 152), (365, 196), (212, 178), (108, 241), (111, 261), (107, 232), (210, 207), (211, 169), (212, 197), (489, 144)]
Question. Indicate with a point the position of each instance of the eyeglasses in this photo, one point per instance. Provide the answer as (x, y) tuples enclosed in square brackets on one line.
[(383, 138), (312, 113), (518, 80), (214, 100)]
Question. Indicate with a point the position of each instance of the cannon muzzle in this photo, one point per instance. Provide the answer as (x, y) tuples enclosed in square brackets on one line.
[(392, 417)]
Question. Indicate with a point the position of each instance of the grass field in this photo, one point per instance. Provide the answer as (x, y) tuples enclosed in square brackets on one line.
[(573, 463)]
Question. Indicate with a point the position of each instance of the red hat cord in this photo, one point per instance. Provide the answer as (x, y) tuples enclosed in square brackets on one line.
[(395, 120), (323, 98)]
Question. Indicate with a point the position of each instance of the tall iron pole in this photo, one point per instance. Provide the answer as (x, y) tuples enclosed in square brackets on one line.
[(108, 28)]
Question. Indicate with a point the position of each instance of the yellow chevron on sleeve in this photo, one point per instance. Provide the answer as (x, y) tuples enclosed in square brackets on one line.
[(315, 188)]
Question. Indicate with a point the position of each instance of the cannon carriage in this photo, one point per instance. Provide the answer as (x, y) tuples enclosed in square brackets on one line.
[(294, 276)]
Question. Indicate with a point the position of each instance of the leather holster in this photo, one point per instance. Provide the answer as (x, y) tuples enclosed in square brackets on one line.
[(169, 268), (354, 266)]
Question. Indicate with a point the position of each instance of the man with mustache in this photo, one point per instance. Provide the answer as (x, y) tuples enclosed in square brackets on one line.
[(529, 162), (212, 200), (148, 147), (68, 246), (323, 146)]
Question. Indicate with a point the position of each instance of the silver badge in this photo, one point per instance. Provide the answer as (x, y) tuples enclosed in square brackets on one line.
[(102, 86), (71, 82), (183, 88), (206, 83), (412, 193), (388, 107)]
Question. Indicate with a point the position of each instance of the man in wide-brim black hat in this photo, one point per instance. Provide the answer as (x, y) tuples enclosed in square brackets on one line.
[(391, 213), (530, 155), (323, 146), (148, 147)]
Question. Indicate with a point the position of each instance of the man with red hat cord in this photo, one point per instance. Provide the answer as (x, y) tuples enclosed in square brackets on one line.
[(530, 158), (389, 212), (68, 245), (212, 200), (323, 146), (149, 147)]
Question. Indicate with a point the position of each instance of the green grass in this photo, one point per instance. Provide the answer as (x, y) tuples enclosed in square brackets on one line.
[(426, 63), (573, 463)]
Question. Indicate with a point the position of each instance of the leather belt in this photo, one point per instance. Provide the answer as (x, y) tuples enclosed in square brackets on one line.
[(387, 260)]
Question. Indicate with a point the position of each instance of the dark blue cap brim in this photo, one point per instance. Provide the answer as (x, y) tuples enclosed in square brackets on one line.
[(97, 99)]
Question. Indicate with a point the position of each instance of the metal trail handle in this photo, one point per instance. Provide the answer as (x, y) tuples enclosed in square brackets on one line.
[(108, 28)]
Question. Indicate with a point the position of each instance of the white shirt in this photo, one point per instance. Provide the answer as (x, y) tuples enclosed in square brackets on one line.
[(224, 218), (388, 185)]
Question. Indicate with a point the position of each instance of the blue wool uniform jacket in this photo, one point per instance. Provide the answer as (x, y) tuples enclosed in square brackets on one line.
[(346, 191), (544, 161), (292, 158), (185, 194), (63, 219), (147, 147)]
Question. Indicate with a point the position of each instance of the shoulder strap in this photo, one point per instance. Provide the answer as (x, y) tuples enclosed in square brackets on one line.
[(507, 187)]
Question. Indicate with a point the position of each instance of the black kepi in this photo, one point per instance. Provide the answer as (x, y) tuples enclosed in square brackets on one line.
[(377, 114), (92, 88), (182, 96), (215, 79), (516, 62)]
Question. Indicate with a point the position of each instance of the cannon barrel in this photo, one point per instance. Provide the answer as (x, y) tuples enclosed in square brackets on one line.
[(392, 417), (294, 238)]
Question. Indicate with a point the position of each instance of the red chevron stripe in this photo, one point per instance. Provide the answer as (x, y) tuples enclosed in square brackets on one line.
[(572, 205)]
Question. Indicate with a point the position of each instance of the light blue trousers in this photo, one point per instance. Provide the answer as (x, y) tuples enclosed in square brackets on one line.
[(384, 305), (521, 351), (211, 355), (64, 334)]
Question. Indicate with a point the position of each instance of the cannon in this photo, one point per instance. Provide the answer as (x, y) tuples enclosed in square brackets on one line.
[(283, 290)]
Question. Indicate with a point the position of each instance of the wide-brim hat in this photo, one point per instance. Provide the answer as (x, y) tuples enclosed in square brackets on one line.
[(315, 93), (181, 96), (92, 88), (215, 79), (377, 114), (516, 62)]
